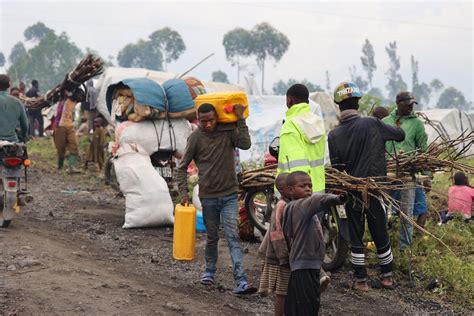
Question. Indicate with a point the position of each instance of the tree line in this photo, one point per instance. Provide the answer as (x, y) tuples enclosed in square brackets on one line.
[(52, 55)]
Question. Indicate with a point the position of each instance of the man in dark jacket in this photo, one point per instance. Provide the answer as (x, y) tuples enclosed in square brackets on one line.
[(357, 146), (35, 114), (211, 146)]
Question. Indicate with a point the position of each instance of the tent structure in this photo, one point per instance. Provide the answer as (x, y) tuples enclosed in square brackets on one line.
[(447, 124), (115, 74), (329, 109), (267, 113)]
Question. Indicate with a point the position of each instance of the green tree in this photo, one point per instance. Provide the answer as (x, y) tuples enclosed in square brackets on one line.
[(368, 61), (220, 76), (328, 82), (369, 102), (237, 44), (48, 61), (107, 62), (2, 59), (395, 81), (169, 43), (280, 87), (376, 92), (267, 42), (37, 32), (141, 54), (420, 91), (17, 53), (361, 83), (452, 98), (436, 86)]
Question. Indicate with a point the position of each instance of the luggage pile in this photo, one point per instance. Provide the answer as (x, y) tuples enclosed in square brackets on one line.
[(139, 99)]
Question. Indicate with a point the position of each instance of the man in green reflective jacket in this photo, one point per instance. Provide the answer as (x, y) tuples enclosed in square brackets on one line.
[(302, 138)]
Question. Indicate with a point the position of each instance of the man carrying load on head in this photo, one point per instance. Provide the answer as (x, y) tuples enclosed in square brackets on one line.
[(211, 146)]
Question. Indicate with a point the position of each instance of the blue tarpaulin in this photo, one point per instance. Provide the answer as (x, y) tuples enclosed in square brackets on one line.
[(145, 91), (178, 95)]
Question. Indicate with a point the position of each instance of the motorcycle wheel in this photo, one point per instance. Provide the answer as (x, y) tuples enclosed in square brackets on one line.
[(110, 176), (259, 205), (336, 246), (6, 223)]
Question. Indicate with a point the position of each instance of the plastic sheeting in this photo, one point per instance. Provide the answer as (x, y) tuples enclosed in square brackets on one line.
[(146, 92), (449, 123), (266, 117)]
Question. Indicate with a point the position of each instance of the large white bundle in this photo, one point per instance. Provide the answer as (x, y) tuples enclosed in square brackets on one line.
[(148, 134), (147, 199)]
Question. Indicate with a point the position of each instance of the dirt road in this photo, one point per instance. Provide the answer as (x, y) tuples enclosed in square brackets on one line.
[(68, 255)]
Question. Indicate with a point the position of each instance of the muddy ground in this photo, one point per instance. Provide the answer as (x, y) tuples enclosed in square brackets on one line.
[(67, 254)]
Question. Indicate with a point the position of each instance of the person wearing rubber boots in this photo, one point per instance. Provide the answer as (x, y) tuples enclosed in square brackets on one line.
[(212, 147), (64, 134), (357, 146)]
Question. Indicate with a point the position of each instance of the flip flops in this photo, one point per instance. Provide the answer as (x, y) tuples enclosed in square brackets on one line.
[(324, 282), (386, 284), (207, 278), (360, 286), (243, 288)]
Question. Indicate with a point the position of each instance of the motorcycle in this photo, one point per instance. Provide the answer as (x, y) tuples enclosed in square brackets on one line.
[(260, 202), (14, 192)]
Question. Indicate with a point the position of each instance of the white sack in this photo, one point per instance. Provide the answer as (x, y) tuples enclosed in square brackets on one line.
[(148, 135), (147, 199), (196, 201)]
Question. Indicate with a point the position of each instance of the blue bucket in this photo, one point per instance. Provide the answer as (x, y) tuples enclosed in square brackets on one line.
[(200, 222)]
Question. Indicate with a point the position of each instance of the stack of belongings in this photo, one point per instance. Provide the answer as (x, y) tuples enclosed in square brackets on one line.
[(150, 119), (140, 99)]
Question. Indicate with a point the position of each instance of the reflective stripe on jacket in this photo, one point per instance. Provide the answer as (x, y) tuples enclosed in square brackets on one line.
[(302, 144)]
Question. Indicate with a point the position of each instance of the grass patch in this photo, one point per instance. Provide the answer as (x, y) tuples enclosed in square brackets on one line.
[(42, 153)]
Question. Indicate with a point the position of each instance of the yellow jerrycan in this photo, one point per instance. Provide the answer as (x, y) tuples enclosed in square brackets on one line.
[(223, 102), (184, 233)]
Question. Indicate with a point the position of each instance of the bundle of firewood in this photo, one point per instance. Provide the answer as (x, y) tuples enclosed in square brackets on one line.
[(258, 178), (441, 155), (88, 68)]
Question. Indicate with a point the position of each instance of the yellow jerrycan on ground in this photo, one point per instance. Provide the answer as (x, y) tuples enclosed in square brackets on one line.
[(184, 233), (223, 103)]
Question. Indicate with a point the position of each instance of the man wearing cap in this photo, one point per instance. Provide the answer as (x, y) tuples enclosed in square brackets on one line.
[(357, 146), (415, 140)]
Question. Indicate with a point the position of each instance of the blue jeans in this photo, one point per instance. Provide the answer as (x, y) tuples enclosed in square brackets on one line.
[(407, 203), (227, 208)]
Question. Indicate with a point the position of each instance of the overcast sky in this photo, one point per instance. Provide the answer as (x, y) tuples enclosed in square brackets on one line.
[(323, 35)]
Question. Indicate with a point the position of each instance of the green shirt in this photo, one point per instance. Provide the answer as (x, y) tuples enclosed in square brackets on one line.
[(415, 135), (11, 112)]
